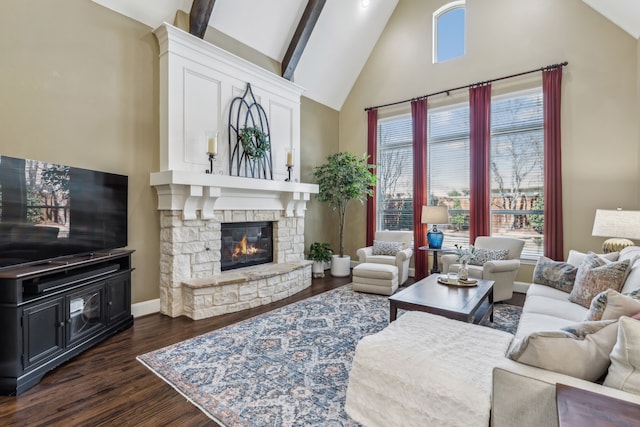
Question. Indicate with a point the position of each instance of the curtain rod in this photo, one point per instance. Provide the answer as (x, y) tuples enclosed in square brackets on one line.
[(548, 67)]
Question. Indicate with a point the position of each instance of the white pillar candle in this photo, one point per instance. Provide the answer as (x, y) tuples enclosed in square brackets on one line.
[(213, 145), (289, 158)]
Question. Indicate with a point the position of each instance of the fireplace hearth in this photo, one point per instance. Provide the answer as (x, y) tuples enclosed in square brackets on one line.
[(245, 244)]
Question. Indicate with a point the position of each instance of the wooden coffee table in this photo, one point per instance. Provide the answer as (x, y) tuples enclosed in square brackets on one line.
[(469, 304)]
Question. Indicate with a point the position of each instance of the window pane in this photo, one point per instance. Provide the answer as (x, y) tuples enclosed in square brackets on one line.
[(517, 169), (448, 169), (395, 174), (450, 34)]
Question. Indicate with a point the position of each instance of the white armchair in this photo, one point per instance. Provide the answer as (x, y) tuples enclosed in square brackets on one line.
[(502, 272), (400, 260)]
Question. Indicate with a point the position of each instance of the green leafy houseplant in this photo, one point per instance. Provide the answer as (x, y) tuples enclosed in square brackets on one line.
[(320, 252), (343, 178), (254, 142)]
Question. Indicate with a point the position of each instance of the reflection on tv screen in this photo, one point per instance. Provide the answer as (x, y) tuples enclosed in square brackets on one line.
[(49, 210)]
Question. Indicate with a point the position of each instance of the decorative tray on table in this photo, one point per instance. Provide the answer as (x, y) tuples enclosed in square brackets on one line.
[(458, 282)]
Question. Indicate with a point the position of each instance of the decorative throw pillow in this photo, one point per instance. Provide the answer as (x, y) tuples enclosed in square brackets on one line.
[(612, 304), (381, 247), (624, 372), (575, 258), (581, 350), (556, 274), (482, 255), (596, 275)]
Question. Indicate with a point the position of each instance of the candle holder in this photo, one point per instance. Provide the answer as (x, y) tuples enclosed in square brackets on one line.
[(291, 155), (211, 137), (212, 159)]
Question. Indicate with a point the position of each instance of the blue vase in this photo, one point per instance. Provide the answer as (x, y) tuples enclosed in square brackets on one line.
[(435, 238)]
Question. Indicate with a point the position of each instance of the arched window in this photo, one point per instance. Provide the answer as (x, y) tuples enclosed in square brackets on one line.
[(449, 31)]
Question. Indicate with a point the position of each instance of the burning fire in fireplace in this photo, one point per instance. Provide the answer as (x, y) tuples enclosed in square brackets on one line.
[(245, 244), (243, 249)]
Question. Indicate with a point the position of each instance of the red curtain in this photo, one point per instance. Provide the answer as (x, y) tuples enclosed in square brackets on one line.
[(480, 139), (372, 150), (553, 228), (419, 118)]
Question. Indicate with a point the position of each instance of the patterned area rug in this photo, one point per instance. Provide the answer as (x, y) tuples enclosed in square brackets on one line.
[(505, 317), (286, 367)]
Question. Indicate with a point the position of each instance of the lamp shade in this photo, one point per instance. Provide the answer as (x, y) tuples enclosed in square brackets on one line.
[(435, 215), (617, 223)]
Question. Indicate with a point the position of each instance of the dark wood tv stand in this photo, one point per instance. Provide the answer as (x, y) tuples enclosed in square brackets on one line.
[(52, 311)]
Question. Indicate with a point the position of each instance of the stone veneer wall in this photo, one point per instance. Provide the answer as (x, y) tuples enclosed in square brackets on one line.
[(190, 250)]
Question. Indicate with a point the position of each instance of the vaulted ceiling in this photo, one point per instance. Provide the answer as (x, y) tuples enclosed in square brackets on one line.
[(340, 42)]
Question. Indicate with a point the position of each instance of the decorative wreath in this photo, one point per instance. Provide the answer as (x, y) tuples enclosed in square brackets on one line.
[(254, 142)]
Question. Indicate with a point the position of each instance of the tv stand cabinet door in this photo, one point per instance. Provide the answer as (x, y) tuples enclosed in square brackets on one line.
[(118, 298), (43, 335)]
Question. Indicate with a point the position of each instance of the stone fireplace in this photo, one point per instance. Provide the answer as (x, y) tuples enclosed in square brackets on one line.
[(193, 282), (203, 214)]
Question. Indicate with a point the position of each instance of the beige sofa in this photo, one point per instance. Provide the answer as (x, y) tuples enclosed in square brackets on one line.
[(419, 366), (525, 395)]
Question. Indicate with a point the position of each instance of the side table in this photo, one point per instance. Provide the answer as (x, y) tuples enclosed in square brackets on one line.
[(435, 269), (583, 408)]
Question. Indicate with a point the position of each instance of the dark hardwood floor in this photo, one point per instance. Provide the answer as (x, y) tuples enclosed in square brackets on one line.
[(107, 386)]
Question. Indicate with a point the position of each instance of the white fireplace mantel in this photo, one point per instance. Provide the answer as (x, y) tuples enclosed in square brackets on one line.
[(192, 191)]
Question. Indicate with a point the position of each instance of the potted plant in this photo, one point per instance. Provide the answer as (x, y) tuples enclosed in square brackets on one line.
[(320, 254), (343, 178)]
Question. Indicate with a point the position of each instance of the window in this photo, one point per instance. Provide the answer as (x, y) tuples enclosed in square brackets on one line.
[(395, 174), (449, 31), (448, 168), (517, 169)]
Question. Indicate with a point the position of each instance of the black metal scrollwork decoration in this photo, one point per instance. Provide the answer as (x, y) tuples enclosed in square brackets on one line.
[(249, 138)]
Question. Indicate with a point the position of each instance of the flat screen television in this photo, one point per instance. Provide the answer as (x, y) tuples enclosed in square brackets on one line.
[(48, 211)]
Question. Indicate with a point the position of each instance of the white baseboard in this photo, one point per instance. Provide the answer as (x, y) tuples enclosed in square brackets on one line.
[(145, 307), (520, 287)]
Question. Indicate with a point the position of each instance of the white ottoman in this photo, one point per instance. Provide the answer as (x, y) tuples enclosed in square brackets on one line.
[(375, 278), (425, 370)]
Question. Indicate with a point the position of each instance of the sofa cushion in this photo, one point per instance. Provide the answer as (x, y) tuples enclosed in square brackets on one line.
[(624, 372), (556, 274), (580, 350), (555, 307), (382, 259), (482, 255), (575, 257), (546, 291), (381, 247), (535, 322), (611, 304), (596, 275), (632, 282)]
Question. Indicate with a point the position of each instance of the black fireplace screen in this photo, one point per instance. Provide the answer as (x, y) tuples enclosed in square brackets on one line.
[(246, 243)]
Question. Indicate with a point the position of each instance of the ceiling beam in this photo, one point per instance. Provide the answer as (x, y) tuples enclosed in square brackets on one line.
[(301, 37), (199, 16)]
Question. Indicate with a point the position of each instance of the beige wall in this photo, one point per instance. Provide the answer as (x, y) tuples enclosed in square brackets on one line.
[(599, 100), (318, 139), (79, 87)]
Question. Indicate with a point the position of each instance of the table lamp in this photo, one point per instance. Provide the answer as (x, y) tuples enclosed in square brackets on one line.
[(435, 215), (619, 225)]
